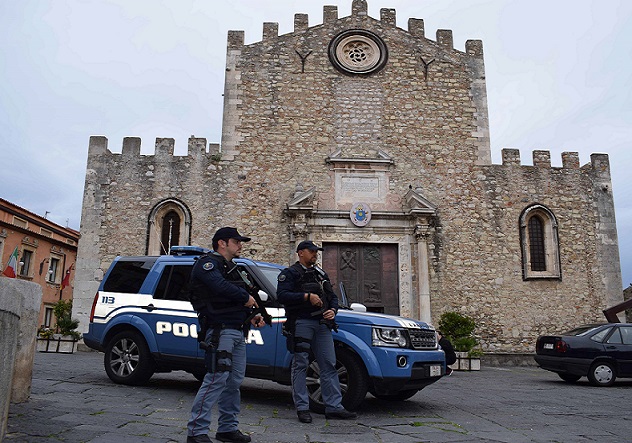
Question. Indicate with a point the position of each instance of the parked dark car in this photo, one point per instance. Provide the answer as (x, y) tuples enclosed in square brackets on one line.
[(601, 352)]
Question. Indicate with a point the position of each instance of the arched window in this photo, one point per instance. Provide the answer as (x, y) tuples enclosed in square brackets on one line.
[(169, 224), (539, 242), (536, 244), (170, 235)]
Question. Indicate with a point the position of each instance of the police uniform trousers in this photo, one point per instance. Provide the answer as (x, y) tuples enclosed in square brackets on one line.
[(221, 387), (322, 345)]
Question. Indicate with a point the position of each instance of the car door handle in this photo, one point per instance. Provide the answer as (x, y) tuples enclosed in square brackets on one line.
[(149, 307)]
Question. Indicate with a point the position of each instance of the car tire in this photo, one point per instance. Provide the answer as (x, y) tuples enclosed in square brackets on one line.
[(400, 396), (602, 374), (569, 378), (128, 360), (354, 381)]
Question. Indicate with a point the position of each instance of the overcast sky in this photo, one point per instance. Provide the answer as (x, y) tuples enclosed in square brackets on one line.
[(559, 78)]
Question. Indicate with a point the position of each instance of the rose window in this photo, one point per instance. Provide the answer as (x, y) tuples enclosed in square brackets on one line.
[(358, 52)]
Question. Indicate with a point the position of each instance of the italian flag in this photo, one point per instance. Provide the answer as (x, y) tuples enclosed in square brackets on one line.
[(66, 281), (12, 266)]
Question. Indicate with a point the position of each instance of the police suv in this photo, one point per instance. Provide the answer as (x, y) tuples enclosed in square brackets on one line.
[(142, 320)]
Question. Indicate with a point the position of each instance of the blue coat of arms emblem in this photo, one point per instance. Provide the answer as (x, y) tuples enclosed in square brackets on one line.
[(360, 214)]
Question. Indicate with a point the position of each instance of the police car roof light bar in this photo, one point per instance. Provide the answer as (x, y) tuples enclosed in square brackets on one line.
[(188, 250)]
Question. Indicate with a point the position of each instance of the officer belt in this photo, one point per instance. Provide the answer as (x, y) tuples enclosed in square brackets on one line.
[(239, 326)]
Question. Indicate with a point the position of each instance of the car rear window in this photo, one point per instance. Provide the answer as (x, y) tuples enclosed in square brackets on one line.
[(582, 330), (127, 276)]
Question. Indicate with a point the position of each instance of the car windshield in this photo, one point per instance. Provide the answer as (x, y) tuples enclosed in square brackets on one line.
[(582, 330)]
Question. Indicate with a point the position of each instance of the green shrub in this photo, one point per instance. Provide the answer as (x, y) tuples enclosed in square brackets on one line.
[(65, 325), (475, 353), (459, 329), (464, 344)]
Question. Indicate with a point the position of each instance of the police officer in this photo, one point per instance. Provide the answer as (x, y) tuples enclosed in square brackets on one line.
[(448, 349), (219, 295), (310, 306)]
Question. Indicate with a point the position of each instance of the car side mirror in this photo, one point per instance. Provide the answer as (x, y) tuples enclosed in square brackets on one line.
[(358, 307), (263, 295)]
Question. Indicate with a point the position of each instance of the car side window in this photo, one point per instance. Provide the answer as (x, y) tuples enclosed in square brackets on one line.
[(615, 338), (626, 335), (173, 283), (599, 336)]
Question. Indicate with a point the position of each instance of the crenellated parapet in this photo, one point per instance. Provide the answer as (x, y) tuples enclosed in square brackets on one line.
[(359, 10), (570, 160), (163, 149)]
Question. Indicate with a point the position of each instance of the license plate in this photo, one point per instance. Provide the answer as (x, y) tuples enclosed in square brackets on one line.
[(548, 345), (435, 370)]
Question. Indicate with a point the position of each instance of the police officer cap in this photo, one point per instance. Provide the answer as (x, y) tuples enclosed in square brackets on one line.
[(228, 233), (307, 244)]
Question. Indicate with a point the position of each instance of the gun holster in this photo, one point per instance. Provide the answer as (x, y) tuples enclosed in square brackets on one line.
[(331, 324), (287, 329), (211, 354)]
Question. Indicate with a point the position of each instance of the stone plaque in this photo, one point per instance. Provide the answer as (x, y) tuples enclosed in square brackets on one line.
[(351, 188), (360, 186)]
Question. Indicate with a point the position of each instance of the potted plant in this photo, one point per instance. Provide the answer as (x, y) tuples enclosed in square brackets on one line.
[(45, 332), (459, 329), (64, 337), (44, 337)]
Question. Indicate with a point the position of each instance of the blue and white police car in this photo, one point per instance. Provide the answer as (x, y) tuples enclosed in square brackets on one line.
[(142, 320)]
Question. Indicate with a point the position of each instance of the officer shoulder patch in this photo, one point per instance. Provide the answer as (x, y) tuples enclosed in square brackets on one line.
[(281, 277), (208, 266)]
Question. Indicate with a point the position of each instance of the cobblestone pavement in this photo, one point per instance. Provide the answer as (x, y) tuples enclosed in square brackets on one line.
[(73, 401)]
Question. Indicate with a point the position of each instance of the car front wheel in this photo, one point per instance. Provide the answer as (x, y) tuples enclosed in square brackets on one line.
[(128, 360), (602, 374)]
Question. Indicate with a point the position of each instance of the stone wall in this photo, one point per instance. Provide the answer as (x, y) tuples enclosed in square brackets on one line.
[(480, 268), (19, 309)]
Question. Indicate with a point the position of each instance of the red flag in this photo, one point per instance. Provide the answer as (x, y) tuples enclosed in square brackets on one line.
[(66, 281), (12, 267)]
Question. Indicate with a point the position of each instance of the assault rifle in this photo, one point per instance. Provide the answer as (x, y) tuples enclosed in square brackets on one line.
[(324, 286), (253, 290), (331, 324)]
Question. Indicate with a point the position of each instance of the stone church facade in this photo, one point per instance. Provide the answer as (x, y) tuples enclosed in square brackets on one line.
[(374, 141)]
